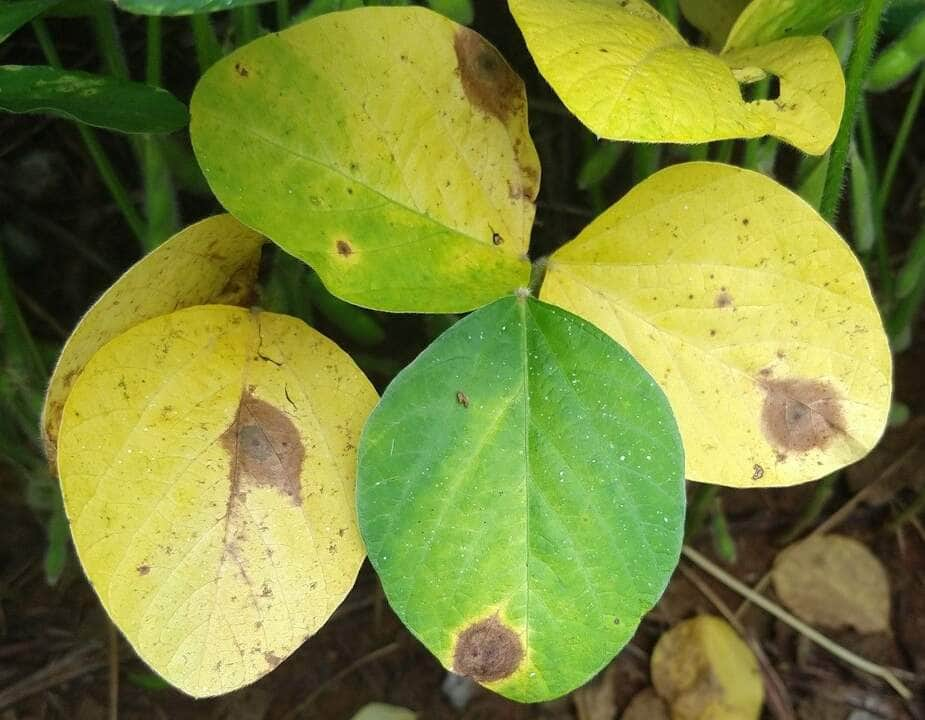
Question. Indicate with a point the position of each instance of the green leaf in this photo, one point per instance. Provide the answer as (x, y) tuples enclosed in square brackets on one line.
[(766, 20), (459, 10), (862, 204), (521, 496), (398, 137), (599, 164), (628, 74), (714, 18), (322, 7), (98, 100), (16, 13), (181, 7)]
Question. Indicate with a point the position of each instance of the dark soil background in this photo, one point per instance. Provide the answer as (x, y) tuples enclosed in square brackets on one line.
[(65, 242)]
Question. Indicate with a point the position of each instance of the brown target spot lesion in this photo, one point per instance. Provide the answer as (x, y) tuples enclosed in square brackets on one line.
[(488, 81), (801, 415), (344, 249), (487, 650), (265, 451)]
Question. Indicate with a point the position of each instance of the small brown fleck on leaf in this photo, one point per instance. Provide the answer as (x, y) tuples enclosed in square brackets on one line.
[(799, 414), (462, 398), (143, 569), (759, 473), (496, 239), (745, 221), (488, 81), (241, 70), (723, 299), (343, 248), (272, 660), (487, 650)]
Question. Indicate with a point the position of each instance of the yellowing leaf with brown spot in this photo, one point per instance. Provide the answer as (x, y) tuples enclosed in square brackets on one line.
[(214, 260), (705, 671), (207, 462), (834, 581), (749, 310), (388, 148), (627, 74)]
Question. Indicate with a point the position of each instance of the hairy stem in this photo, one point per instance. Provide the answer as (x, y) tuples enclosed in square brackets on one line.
[(858, 64)]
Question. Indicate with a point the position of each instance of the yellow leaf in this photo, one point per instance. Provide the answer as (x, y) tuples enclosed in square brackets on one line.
[(834, 581), (704, 670), (812, 90), (752, 314), (207, 462), (215, 260), (627, 74)]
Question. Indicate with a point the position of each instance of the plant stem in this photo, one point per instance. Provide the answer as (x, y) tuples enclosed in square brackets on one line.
[(104, 22), (153, 66), (858, 64), (208, 48), (825, 488), (645, 160), (699, 509), (797, 624), (246, 24), (723, 151), (282, 14), (19, 340), (106, 170), (902, 136), (907, 309)]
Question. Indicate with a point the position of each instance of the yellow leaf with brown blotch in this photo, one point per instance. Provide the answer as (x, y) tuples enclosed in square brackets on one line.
[(749, 310), (207, 462)]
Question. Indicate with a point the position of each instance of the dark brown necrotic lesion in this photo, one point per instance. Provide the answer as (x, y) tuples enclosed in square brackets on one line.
[(801, 415), (487, 650), (488, 81), (265, 450)]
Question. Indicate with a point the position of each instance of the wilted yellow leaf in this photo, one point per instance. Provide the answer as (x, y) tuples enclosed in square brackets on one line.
[(749, 310), (705, 671), (627, 74), (215, 261), (207, 462), (834, 581)]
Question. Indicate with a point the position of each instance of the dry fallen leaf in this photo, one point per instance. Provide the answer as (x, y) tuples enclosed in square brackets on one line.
[(598, 699), (834, 581), (705, 671), (646, 705)]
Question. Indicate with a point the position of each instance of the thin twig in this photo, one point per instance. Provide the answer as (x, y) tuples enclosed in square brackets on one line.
[(777, 690), (337, 677), (113, 672), (817, 637), (839, 516)]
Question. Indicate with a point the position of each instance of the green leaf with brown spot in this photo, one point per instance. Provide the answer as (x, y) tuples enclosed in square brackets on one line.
[(386, 147), (521, 495)]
